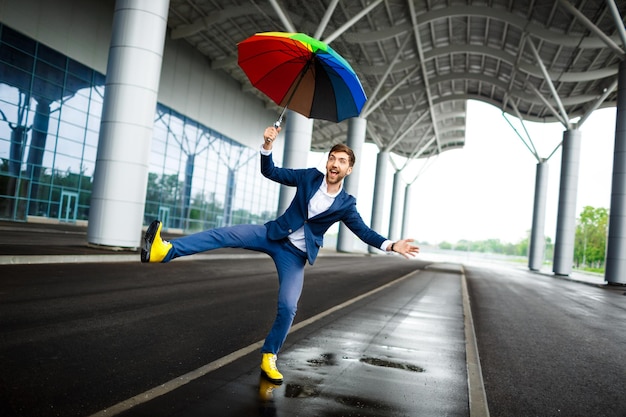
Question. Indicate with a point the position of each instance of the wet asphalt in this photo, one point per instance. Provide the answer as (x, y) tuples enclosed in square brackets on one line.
[(89, 332)]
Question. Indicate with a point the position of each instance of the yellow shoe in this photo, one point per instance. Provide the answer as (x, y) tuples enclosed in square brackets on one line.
[(154, 248), (268, 366)]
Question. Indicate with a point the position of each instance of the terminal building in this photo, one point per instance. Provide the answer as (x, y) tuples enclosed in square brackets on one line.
[(203, 163)]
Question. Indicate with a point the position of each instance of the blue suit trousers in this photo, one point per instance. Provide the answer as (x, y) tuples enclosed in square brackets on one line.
[(289, 261)]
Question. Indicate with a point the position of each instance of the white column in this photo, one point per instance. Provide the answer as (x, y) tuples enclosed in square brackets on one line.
[(395, 217), (378, 203), (536, 250), (130, 98), (356, 138), (568, 190), (406, 214), (298, 131), (615, 271)]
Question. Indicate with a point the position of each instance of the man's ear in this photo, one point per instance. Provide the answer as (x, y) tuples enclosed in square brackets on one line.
[(349, 171)]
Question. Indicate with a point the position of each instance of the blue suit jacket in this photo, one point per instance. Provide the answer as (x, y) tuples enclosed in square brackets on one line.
[(308, 181)]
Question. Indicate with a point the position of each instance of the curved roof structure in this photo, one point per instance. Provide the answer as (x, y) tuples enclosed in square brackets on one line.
[(420, 60)]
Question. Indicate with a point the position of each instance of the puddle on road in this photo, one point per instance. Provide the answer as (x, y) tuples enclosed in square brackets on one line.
[(301, 391), (325, 359), (390, 364), (317, 390), (372, 407), (330, 359)]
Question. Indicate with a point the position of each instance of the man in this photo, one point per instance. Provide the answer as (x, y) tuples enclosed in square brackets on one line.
[(291, 239)]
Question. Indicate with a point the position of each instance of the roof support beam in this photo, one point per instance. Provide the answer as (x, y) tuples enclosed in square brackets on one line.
[(546, 76), (598, 102), (398, 138), (592, 27), (329, 12), (548, 105), (420, 52), (350, 22), (419, 149), (375, 136), (389, 93), (396, 59), (521, 119), (283, 16), (619, 23)]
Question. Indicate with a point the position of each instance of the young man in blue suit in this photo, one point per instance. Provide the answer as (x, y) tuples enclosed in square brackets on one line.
[(292, 239)]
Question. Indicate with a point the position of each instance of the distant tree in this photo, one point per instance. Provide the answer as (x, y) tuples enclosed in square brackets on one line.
[(591, 234), (445, 245)]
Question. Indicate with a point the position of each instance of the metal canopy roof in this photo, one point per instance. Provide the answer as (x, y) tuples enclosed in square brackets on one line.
[(420, 61)]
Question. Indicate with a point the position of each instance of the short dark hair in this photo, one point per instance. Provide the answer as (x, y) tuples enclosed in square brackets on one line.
[(340, 147)]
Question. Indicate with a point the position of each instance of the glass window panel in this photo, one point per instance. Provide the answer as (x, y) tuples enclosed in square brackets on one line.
[(45, 89), (16, 39), (50, 73), (93, 123), (98, 79), (71, 132), (73, 87), (12, 60), (65, 164), (79, 70), (89, 168), (68, 147), (48, 155), (51, 57), (91, 142)]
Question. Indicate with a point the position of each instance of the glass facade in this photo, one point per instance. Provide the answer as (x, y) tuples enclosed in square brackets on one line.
[(50, 107)]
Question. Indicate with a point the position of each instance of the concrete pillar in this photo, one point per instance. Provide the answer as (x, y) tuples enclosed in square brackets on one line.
[(297, 132), (615, 270), (356, 138), (382, 164), (395, 218), (130, 98), (536, 249), (568, 190), (406, 215)]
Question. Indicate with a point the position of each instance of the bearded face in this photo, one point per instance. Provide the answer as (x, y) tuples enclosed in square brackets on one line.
[(337, 167)]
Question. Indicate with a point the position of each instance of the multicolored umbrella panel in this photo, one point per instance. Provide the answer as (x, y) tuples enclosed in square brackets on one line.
[(303, 74)]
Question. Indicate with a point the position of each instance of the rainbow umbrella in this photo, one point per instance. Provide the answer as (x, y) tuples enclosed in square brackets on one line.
[(303, 74)]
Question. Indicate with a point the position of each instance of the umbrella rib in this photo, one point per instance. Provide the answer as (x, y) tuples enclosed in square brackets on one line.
[(293, 91)]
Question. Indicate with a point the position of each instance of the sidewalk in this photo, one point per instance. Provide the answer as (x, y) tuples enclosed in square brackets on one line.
[(48, 243), (39, 243)]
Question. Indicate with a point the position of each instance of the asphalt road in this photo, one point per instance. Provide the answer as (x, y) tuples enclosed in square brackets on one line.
[(76, 338), (549, 346)]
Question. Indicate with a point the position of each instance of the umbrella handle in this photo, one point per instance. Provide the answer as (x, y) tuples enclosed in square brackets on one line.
[(278, 122)]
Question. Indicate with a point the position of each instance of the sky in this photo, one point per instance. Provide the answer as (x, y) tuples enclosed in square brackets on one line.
[(485, 190)]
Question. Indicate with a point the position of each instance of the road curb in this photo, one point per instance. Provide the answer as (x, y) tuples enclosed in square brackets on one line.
[(475, 385)]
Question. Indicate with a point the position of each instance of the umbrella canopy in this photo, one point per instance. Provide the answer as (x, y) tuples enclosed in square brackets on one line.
[(303, 74)]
